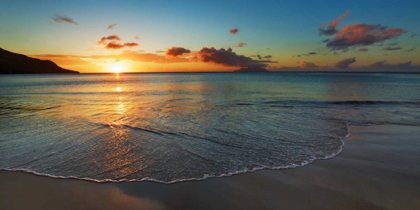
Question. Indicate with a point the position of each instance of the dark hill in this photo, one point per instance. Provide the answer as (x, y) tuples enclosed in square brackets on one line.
[(13, 63)]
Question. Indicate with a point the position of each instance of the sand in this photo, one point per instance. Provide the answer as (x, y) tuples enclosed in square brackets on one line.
[(379, 168)]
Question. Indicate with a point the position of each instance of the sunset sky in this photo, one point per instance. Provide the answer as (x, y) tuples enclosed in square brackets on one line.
[(165, 36)]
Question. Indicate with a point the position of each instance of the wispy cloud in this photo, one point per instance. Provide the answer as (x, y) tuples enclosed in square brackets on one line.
[(412, 49), (393, 44), (63, 19), (345, 63), (305, 65), (384, 64), (241, 44), (363, 50), (109, 38), (234, 30), (114, 42), (362, 35), (111, 26), (332, 27), (115, 46), (391, 48)]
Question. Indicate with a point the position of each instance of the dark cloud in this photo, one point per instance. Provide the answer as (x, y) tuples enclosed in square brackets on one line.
[(325, 40), (391, 48), (268, 56), (363, 50), (332, 27), (305, 65), (111, 26), (362, 35), (311, 53), (63, 19), (308, 54), (226, 57), (109, 38), (176, 51), (345, 63), (383, 64), (115, 46), (259, 57), (413, 35), (412, 49), (241, 44), (234, 30)]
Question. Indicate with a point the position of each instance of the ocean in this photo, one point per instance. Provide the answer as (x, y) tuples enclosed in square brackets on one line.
[(172, 127)]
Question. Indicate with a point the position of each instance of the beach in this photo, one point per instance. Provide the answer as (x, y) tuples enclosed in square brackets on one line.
[(378, 169)]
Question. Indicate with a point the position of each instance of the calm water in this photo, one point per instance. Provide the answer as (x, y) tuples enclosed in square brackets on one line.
[(175, 127)]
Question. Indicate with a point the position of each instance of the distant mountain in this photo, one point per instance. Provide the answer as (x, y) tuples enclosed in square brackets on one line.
[(13, 63), (252, 70)]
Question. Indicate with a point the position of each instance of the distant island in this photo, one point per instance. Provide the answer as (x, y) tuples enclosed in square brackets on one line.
[(13, 63), (252, 70)]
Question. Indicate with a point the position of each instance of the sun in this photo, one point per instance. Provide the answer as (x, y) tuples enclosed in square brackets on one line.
[(117, 67)]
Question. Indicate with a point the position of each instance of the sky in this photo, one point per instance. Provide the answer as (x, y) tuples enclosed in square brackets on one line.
[(167, 36)]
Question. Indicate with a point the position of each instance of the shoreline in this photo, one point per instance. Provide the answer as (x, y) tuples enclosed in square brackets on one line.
[(377, 169)]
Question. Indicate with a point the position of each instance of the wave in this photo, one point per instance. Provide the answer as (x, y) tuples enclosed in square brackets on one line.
[(205, 176)]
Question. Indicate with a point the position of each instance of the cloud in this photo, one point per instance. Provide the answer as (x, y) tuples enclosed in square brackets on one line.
[(311, 53), (363, 50), (391, 48), (305, 65), (115, 46), (325, 40), (241, 44), (234, 30), (63, 19), (176, 51), (362, 35), (111, 26), (137, 37), (413, 35), (392, 44), (412, 49), (268, 56), (114, 42), (345, 63), (226, 57), (109, 38), (384, 64), (332, 27)]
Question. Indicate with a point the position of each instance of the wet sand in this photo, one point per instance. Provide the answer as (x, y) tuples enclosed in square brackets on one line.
[(379, 168)]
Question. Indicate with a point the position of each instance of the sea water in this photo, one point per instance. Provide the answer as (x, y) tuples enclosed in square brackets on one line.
[(171, 127)]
